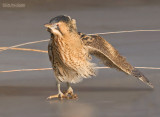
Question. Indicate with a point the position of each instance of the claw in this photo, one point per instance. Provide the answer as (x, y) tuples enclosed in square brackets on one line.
[(68, 93), (74, 96)]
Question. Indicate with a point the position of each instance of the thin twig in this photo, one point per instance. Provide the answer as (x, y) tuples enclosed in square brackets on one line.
[(28, 43), (40, 69), (116, 32)]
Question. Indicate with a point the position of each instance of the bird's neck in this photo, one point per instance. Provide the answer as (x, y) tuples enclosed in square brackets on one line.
[(72, 38)]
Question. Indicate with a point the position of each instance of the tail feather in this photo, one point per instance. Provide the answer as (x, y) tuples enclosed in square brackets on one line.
[(136, 73)]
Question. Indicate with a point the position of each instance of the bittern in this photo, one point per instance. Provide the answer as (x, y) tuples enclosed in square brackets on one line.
[(69, 53)]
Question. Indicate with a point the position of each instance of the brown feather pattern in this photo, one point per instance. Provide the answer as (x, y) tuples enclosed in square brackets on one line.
[(106, 52), (69, 52), (100, 48)]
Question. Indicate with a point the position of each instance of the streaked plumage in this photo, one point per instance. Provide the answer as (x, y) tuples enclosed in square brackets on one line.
[(69, 53)]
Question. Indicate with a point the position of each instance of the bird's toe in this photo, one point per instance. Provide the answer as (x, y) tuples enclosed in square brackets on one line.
[(74, 96), (60, 96)]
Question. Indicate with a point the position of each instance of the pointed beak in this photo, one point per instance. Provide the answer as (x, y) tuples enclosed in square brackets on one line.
[(53, 28), (48, 25)]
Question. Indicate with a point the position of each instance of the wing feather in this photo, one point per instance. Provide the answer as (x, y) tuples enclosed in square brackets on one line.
[(50, 52), (100, 48)]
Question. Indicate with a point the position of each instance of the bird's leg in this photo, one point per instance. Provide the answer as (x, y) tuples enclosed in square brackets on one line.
[(70, 92), (59, 95)]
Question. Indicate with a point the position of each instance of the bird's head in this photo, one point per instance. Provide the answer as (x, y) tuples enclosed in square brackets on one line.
[(61, 25)]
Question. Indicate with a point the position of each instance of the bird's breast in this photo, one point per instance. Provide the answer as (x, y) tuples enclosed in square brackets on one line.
[(70, 53)]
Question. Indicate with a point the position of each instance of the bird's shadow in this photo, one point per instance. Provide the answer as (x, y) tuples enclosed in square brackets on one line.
[(45, 91)]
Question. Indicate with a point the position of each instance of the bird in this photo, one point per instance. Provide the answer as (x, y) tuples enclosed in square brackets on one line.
[(70, 53)]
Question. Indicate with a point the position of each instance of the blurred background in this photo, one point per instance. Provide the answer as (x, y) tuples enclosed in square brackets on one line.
[(110, 93)]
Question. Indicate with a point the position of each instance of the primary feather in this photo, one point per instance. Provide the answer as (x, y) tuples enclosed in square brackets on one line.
[(100, 48)]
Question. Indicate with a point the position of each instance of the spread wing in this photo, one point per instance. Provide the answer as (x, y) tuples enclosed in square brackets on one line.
[(100, 48)]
